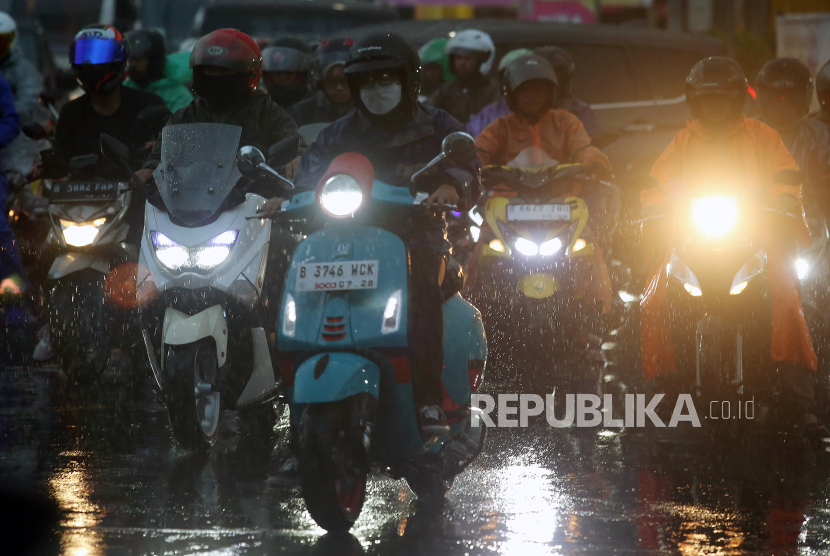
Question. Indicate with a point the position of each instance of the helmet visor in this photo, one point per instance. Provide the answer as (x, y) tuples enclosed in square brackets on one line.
[(94, 50)]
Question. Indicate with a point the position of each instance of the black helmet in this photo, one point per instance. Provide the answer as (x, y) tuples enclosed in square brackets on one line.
[(564, 66), (98, 56), (717, 75), (530, 67), (385, 51), (784, 89), (284, 58), (148, 43), (330, 53), (823, 86)]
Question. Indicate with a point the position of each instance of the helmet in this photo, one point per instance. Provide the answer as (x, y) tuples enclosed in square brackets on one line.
[(563, 64), (785, 90), (148, 43), (530, 67), (230, 49), (331, 52), (293, 42), (823, 86), (716, 75), (512, 55), (98, 56), (8, 34), (433, 53), (290, 60), (472, 41), (284, 58), (385, 51)]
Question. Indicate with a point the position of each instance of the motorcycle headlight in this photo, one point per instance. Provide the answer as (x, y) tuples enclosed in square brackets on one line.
[(203, 257), (802, 267), (341, 195), (289, 316), (475, 233), (83, 234), (497, 245), (715, 216), (550, 247), (579, 245), (526, 247)]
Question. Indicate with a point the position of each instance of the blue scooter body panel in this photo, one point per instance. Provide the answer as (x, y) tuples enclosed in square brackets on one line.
[(345, 374)]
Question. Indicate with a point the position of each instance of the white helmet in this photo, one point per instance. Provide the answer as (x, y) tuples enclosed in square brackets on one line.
[(473, 41), (8, 34)]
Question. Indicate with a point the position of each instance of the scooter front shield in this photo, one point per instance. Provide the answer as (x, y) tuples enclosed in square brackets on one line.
[(330, 377)]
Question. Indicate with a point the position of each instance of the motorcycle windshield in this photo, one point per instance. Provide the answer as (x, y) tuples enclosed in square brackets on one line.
[(197, 170), (533, 159)]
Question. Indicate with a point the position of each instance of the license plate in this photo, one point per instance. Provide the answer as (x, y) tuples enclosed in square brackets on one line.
[(74, 192), (352, 275), (538, 212)]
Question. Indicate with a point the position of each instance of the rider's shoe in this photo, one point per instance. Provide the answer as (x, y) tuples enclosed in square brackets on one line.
[(432, 422)]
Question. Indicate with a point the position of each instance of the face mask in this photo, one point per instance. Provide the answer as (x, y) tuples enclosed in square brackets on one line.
[(381, 99), (221, 91)]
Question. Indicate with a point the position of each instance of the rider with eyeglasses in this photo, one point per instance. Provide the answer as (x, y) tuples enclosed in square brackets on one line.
[(332, 100)]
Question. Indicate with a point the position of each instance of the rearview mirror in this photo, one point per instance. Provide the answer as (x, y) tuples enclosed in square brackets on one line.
[(248, 160), (459, 148), (34, 130), (789, 177), (113, 149), (284, 152)]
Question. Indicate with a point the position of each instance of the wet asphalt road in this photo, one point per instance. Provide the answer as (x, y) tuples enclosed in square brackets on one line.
[(106, 462)]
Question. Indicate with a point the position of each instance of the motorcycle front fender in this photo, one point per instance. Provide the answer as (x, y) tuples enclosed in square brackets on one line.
[(330, 377), (68, 263), (180, 329)]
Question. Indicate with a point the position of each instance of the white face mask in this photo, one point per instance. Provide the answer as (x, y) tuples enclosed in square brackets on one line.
[(381, 99)]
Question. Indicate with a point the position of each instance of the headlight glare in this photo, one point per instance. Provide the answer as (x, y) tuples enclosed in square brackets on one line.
[(550, 247), (693, 290), (81, 234), (497, 245), (715, 216), (203, 257), (802, 267), (739, 288), (526, 247), (341, 195)]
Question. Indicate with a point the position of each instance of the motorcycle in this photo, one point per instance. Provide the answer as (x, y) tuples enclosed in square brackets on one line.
[(200, 277), (344, 346), (540, 277), (718, 293)]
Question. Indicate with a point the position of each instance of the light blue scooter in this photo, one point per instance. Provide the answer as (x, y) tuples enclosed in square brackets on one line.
[(344, 350)]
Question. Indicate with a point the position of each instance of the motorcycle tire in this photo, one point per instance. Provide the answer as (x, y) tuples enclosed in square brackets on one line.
[(334, 502), (193, 404), (79, 323)]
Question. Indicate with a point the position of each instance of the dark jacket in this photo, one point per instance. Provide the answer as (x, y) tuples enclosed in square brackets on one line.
[(263, 123), (317, 110), (809, 144), (464, 99), (395, 156)]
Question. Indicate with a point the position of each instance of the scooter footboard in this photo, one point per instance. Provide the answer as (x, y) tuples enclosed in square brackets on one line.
[(330, 377)]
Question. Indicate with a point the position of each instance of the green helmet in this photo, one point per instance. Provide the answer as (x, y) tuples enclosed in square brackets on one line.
[(433, 53), (512, 55)]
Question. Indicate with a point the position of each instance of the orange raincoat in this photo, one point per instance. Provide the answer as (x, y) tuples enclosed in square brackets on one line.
[(749, 152)]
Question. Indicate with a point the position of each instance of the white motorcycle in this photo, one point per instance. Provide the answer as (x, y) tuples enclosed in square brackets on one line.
[(200, 280)]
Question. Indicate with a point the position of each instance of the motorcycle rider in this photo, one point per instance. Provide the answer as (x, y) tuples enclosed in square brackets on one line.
[(332, 100), (471, 55), (399, 135), (147, 69), (286, 71), (722, 145), (784, 89), (564, 66), (497, 109), (26, 83), (435, 67), (10, 263)]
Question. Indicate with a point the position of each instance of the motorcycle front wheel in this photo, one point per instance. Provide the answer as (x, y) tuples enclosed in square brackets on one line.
[(193, 403), (79, 322), (333, 483)]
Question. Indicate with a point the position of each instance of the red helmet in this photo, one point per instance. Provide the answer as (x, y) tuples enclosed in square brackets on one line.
[(231, 49)]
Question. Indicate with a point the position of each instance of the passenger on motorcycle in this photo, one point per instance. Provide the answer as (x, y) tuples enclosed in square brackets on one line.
[(784, 93), (286, 71), (723, 146), (332, 100), (147, 60), (471, 53), (530, 88), (399, 136)]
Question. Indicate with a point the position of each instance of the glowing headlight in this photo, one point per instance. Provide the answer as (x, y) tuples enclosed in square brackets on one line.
[(497, 245), (392, 313), (476, 216), (475, 233), (289, 316), (693, 290), (715, 216), (550, 247), (579, 245), (802, 267), (739, 288), (81, 235), (341, 195), (526, 247), (203, 257)]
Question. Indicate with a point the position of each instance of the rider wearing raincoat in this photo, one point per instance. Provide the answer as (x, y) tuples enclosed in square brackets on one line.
[(721, 144)]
